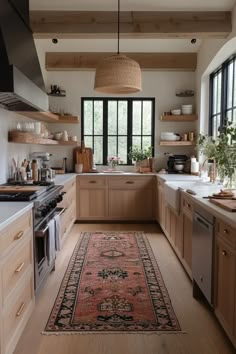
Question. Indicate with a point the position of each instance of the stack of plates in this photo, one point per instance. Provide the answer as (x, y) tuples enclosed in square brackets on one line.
[(166, 136), (187, 109)]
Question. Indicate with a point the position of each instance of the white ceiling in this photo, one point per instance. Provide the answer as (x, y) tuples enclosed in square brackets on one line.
[(138, 5)]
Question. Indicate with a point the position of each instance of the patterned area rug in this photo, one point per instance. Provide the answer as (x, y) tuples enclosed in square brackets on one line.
[(112, 284)]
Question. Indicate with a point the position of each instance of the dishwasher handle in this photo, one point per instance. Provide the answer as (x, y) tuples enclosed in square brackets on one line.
[(202, 221)]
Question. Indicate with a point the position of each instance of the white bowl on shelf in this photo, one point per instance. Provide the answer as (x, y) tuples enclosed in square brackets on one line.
[(176, 112)]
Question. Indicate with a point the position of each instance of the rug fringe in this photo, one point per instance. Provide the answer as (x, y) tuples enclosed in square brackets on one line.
[(110, 333)]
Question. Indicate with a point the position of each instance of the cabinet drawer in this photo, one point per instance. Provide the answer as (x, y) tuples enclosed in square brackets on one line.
[(91, 181), (227, 233), (15, 266), (16, 314), (13, 234), (131, 182), (69, 185)]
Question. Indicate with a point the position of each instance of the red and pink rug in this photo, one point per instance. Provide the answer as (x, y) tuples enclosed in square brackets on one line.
[(112, 284)]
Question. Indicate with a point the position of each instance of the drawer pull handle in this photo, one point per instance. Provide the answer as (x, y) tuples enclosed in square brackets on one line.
[(226, 231), (130, 182), (92, 182), (19, 312), (19, 235), (20, 267), (224, 253)]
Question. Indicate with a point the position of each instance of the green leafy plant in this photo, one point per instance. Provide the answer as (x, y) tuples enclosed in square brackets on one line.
[(223, 150), (138, 154)]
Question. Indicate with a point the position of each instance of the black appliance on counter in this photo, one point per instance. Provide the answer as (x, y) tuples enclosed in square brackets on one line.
[(45, 209), (176, 163)]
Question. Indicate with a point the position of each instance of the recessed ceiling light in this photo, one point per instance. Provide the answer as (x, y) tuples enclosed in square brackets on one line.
[(55, 40), (193, 40)]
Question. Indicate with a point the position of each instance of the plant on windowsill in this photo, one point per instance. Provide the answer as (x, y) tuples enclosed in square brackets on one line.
[(141, 157), (114, 161), (223, 150)]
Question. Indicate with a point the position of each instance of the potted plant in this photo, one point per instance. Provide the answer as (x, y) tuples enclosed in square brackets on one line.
[(141, 157), (223, 150)]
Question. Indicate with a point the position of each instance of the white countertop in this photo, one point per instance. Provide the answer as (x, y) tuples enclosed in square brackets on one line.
[(10, 211), (204, 191), (62, 179)]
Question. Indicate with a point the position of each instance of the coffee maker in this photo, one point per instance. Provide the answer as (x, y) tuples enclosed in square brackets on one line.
[(176, 163), (45, 173)]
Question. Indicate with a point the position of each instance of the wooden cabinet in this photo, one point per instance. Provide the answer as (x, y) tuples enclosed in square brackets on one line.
[(187, 229), (160, 208), (131, 198), (225, 278), (69, 204), (91, 198), (115, 197), (16, 279)]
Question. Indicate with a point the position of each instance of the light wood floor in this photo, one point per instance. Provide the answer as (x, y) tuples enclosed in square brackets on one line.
[(204, 334)]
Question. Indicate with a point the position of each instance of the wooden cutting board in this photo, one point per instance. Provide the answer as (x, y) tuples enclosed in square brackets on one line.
[(84, 156), (229, 205), (21, 188)]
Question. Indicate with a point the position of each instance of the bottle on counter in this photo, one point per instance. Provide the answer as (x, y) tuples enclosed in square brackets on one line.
[(28, 172), (64, 164), (34, 166), (194, 166)]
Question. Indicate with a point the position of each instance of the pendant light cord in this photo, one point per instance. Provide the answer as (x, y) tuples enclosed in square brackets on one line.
[(118, 28)]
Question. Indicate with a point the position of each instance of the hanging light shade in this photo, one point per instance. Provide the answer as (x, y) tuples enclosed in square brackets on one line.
[(118, 74)]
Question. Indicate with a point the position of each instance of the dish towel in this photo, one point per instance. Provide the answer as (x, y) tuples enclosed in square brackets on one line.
[(51, 242), (57, 219)]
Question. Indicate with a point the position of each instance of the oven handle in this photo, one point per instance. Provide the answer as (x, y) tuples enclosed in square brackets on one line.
[(41, 232)]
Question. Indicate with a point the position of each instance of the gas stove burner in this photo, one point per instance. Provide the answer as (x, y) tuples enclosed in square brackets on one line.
[(25, 183)]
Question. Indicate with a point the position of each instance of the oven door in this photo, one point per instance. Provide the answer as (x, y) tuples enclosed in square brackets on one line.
[(41, 241)]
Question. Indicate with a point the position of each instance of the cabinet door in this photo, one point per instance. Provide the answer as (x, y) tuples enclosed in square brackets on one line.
[(225, 286), (161, 206), (130, 204), (187, 240), (91, 203)]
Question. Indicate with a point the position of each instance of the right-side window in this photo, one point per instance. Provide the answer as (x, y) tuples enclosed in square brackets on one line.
[(222, 96)]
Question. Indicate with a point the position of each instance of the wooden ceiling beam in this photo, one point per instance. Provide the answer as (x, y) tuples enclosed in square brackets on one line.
[(55, 61), (134, 24)]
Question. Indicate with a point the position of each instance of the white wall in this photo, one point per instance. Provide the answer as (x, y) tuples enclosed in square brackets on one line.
[(9, 150), (160, 85)]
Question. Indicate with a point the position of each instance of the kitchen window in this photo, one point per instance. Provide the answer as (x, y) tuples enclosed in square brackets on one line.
[(111, 126), (222, 96)]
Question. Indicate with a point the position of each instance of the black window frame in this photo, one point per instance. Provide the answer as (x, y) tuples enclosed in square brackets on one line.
[(130, 101), (224, 93)]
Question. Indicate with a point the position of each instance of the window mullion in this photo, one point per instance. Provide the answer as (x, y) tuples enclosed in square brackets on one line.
[(224, 93), (105, 131), (129, 128)]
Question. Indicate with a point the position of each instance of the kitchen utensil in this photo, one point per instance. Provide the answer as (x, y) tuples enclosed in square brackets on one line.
[(229, 205)]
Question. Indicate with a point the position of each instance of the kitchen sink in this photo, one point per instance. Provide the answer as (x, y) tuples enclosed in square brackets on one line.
[(200, 189)]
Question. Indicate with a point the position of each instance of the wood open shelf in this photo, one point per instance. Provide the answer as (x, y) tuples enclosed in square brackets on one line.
[(49, 117), (30, 138), (179, 118), (68, 119), (177, 143)]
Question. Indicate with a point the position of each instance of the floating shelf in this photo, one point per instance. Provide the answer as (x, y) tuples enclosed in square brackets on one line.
[(56, 95), (184, 94), (179, 118), (30, 138), (177, 143), (49, 117), (68, 119)]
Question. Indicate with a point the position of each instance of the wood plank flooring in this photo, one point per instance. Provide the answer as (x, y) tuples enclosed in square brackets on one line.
[(204, 334)]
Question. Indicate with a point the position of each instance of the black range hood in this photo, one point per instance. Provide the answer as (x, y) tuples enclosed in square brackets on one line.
[(21, 81)]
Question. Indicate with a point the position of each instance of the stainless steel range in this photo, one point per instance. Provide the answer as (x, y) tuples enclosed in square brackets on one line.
[(45, 209)]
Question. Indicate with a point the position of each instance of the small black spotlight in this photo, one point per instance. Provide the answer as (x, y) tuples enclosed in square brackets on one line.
[(55, 40), (193, 41)]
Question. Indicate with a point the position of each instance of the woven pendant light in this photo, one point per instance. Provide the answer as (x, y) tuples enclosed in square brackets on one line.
[(118, 74)]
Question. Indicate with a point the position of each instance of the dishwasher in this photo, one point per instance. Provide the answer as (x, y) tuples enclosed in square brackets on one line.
[(202, 253)]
